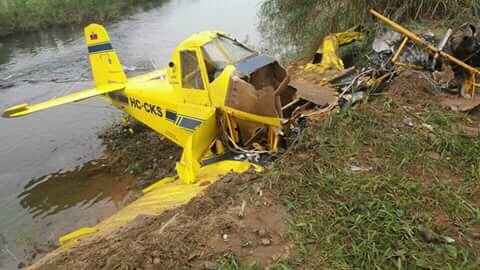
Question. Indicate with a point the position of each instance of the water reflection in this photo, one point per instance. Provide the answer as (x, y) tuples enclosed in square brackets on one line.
[(30, 42), (82, 188)]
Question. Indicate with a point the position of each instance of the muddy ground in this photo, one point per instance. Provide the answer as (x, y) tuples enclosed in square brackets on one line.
[(132, 148), (195, 236)]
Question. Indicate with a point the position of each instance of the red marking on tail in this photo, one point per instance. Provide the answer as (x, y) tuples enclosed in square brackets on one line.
[(93, 36)]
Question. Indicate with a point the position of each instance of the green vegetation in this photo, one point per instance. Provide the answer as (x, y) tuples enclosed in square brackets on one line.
[(28, 15), (299, 24), (367, 191), (228, 262)]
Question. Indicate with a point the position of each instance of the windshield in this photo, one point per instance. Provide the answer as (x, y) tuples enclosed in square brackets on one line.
[(221, 52), (224, 49)]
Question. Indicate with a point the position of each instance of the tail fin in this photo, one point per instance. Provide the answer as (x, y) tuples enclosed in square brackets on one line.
[(106, 67)]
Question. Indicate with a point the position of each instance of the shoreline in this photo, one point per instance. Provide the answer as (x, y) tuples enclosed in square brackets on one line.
[(23, 17)]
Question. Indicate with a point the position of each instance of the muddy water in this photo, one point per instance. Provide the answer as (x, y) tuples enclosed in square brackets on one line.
[(50, 178)]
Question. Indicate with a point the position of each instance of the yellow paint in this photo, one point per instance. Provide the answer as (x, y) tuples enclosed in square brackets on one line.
[(329, 51), (345, 38), (196, 147), (219, 147), (69, 240), (25, 109), (408, 65), (330, 59), (271, 121), (106, 67), (232, 128), (469, 85), (164, 181), (258, 168), (400, 49), (273, 140)]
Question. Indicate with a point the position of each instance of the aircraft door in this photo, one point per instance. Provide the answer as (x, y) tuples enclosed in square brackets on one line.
[(192, 79)]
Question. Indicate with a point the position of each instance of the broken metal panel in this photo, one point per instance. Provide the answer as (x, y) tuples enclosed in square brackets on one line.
[(259, 92), (343, 78), (326, 57), (262, 92), (317, 94), (244, 97)]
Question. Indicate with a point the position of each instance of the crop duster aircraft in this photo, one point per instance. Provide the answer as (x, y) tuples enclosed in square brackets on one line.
[(214, 94)]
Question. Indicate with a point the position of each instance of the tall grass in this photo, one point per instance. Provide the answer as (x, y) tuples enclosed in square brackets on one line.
[(300, 23), (28, 15)]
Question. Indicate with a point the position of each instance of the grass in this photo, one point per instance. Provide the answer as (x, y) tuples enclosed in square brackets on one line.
[(29, 15), (413, 205), (228, 262)]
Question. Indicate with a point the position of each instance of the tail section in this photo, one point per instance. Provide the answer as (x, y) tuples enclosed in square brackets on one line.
[(106, 67)]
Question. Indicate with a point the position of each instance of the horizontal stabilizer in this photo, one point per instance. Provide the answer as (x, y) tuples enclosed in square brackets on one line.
[(25, 109)]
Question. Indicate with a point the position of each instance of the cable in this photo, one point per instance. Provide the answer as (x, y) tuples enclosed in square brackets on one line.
[(242, 150)]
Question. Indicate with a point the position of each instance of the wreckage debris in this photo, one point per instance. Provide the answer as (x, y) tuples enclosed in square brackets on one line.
[(446, 63), (419, 51)]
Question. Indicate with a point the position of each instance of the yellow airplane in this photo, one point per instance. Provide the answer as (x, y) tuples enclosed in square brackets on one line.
[(215, 93)]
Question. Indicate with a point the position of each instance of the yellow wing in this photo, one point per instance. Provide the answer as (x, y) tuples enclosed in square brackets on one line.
[(25, 109), (156, 74)]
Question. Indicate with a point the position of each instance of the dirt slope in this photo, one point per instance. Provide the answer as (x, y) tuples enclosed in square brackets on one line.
[(194, 236)]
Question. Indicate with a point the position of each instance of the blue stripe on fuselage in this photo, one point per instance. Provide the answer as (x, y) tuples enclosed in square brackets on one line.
[(172, 116), (190, 123), (100, 48), (182, 121)]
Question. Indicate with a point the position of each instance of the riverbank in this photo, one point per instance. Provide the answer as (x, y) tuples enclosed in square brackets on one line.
[(26, 16), (139, 151)]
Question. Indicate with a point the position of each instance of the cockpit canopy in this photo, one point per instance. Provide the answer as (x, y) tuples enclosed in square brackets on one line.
[(223, 51)]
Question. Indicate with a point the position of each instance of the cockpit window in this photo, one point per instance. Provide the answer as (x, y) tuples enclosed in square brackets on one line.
[(191, 73), (221, 52)]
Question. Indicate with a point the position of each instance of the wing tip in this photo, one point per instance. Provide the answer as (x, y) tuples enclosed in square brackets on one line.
[(15, 111)]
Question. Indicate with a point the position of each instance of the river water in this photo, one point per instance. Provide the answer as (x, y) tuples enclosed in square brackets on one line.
[(47, 185)]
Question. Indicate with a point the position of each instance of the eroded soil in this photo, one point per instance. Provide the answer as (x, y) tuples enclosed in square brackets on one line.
[(193, 236)]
